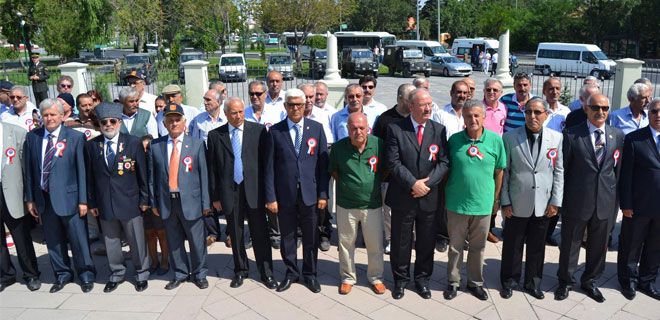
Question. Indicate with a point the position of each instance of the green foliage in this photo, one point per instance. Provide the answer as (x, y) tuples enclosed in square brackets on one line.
[(566, 97), (175, 51), (381, 15), (318, 42), (252, 45), (101, 85), (262, 52)]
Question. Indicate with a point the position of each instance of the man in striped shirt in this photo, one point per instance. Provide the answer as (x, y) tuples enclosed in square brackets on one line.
[(515, 102)]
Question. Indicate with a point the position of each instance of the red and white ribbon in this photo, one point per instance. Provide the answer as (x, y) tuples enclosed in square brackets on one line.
[(187, 161), (433, 150), (552, 155), (616, 156), (30, 124), (311, 146), (373, 161), (473, 151), (10, 153), (59, 148), (88, 134)]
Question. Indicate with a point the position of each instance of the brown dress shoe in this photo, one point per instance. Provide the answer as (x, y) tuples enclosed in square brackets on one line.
[(493, 238), (378, 288), (228, 242), (345, 288), (210, 240)]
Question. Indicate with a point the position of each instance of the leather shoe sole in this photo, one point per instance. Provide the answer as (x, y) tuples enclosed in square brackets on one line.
[(651, 292)]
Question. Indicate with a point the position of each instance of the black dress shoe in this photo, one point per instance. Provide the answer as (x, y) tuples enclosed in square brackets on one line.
[(87, 286), (325, 244), (592, 291), (313, 285), (141, 286), (269, 282), (33, 284), (424, 291), (275, 244), (506, 292), (478, 292), (650, 291), (58, 285), (629, 292), (561, 293), (285, 284), (399, 291), (237, 281), (7, 283), (534, 292), (173, 284), (450, 293), (111, 286), (201, 283), (441, 245)]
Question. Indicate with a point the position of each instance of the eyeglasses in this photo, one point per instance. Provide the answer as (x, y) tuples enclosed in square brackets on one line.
[(654, 112), (353, 96), (16, 97), (492, 90), (596, 108), (112, 121), (295, 105), (255, 94), (368, 87), (535, 112), (66, 86)]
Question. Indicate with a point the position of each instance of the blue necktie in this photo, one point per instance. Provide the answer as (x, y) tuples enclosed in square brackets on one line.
[(109, 154), (48, 163), (298, 138), (238, 161)]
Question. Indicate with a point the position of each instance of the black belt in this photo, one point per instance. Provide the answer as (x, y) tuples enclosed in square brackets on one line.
[(175, 195)]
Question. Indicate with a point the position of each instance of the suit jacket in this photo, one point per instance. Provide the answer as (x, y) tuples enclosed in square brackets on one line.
[(588, 187), (67, 182), (407, 162), (531, 186), (639, 185), (285, 169), (221, 165), (40, 70), (12, 171), (117, 196), (193, 185)]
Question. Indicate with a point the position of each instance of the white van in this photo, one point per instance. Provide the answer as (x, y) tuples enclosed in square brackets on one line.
[(462, 47), (231, 67), (429, 49), (575, 59)]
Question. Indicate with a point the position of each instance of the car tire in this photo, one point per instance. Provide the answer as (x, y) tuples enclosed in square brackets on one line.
[(407, 73), (597, 74), (445, 72), (427, 74)]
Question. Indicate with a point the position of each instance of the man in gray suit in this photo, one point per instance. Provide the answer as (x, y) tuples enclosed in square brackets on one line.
[(12, 210), (178, 185), (531, 194)]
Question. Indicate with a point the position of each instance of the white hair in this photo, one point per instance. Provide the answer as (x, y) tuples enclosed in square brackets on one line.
[(49, 103), (294, 93)]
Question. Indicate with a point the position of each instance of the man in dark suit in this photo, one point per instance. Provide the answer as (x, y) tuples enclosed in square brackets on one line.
[(237, 155), (118, 192), (178, 186), (592, 161), (416, 158), (38, 75), (639, 188), (296, 181), (56, 194)]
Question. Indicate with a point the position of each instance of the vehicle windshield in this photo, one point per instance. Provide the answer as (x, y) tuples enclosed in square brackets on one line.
[(231, 61), (438, 50), (600, 55), (451, 60), (321, 54), (137, 59), (410, 54), (190, 57), (279, 60), (362, 54)]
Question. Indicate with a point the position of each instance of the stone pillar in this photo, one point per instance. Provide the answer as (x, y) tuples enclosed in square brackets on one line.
[(78, 72), (336, 84), (627, 71), (502, 72), (197, 81)]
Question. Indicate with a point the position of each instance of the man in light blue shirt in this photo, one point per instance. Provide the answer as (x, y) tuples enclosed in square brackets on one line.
[(353, 95), (212, 118), (633, 116)]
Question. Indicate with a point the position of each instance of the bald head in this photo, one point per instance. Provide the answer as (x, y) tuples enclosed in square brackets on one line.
[(358, 128), (235, 111)]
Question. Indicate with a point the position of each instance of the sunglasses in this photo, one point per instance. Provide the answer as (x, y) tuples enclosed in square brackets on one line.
[(255, 94), (492, 90), (352, 96), (16, 97), (62, 85), (655, 112), (295, 105), (596, 108), (110, 121), (368, 87), (535, 112)]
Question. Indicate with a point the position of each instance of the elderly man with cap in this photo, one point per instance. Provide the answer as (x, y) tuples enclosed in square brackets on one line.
[(118, 194), (147, 100), (178, 186), (38, 75), (172, 94), (134, 120), (20, 113)]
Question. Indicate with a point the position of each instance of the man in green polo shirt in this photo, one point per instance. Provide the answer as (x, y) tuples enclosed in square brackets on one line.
[(355, 163), (477, 158)]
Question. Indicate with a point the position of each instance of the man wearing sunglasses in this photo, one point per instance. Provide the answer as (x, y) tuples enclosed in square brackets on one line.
[(592, 162), (147, 100), (257, 111), (117, 178), (38, 75), (64, 84), (495, 109), (372, 108), (19, 113)]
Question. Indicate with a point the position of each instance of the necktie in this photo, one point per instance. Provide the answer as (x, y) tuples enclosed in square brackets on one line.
[(600, 146), (238, 161), (420, 134), (535, 148), (109, 155), (657, 144), (298, 138), (173, 170), (47, 165)]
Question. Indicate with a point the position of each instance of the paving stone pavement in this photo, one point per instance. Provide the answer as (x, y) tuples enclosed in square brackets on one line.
[(254, 301)]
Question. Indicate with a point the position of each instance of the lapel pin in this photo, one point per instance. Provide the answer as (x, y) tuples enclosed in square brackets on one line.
[(610, 136)]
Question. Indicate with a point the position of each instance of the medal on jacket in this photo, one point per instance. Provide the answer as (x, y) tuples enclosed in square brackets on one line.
[(60, 147), (187, 162), (311, 146), (30, 124), (121, 147), (433, 150), (373, 161), (616, 156), (10, 153), (88, 134), (473, 151), (552, 155)]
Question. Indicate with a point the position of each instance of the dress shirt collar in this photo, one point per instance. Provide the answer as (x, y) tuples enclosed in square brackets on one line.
[(240, 128), (55, 132), (654, 134), (450, 109), (115, 139), (131, 117), (593, 128), (629, 114), (180, 138), (415, 124), (291, 123)]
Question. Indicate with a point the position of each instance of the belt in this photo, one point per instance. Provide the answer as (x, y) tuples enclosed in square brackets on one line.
[(175, 195)]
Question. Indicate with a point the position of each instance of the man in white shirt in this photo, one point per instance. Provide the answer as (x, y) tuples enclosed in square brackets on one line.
[(275, 97), (371, 107), (322, 96), (257, 111), (19, 113), (315, 113), (558, 112), (450, 115)]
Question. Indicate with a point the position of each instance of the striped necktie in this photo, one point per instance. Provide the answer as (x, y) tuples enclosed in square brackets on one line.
[(47, 165), (600, 146)]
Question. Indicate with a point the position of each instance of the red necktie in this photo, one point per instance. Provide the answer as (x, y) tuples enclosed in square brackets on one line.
[(420, 132)]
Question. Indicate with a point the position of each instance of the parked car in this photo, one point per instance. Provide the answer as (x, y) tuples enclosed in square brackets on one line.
[(576, 59), (137, 61), (450, 67), (405, 60), (185, 57), (282, 63), (317, 63), (231, 67), (358, 61)]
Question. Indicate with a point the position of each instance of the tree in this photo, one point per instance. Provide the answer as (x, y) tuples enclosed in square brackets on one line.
[(382, 15), (10, 22), (137, 18), (211, 30)]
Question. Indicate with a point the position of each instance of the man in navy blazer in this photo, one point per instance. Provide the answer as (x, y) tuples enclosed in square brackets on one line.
[(179, 190), (296, 180), (639, 187), (56, 194), (118, 192)]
